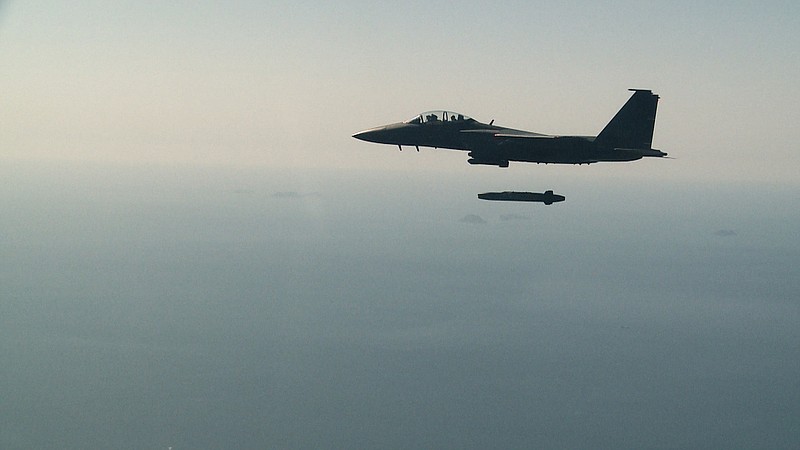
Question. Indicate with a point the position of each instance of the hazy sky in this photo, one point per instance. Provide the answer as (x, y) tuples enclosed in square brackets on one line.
[(194, 252), (287, 83)]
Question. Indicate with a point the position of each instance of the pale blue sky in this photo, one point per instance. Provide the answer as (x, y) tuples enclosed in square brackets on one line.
[(287, 83)]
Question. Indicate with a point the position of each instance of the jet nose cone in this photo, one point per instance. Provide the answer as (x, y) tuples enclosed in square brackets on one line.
[(361, 135), (370, 135)]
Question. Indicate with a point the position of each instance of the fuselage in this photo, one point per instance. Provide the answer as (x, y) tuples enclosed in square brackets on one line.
[(626, 138), (494, 145)]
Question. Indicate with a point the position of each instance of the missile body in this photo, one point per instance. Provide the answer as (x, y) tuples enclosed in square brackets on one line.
[(547, 197)]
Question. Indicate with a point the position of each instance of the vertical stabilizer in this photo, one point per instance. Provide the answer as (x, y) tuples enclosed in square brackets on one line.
[(632, 126)]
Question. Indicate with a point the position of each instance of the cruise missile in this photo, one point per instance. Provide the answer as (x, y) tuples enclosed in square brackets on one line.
[(547, 197)]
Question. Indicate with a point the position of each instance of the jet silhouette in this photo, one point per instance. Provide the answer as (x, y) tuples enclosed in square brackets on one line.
[(627, 137)]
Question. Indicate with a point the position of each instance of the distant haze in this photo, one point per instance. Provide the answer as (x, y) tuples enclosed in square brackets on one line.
[(146, 307)]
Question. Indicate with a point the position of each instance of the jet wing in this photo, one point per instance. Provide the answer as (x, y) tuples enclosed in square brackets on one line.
[(510, 134), (524, 136), (497, 146)]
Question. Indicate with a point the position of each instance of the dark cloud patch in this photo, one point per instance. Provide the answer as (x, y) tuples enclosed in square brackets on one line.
[(507, 217), (287, 194), (472, 218), (725, 233), (294, 194)]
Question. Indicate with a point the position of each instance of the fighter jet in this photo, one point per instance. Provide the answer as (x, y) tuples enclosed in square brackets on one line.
[(547, 197), (627, 137)]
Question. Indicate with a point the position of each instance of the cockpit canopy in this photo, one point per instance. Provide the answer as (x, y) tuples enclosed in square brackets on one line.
[(438, 116)]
